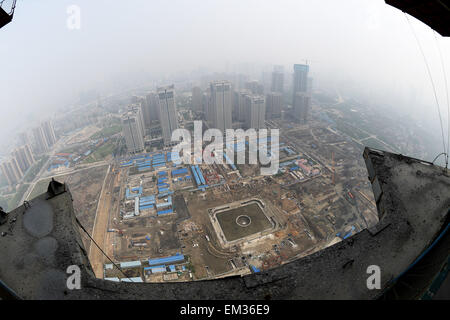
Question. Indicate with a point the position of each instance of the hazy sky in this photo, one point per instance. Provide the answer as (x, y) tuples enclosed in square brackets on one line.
[(361, 44)]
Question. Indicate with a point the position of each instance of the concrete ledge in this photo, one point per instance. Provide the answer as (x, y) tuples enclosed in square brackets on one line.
[(42, 241)]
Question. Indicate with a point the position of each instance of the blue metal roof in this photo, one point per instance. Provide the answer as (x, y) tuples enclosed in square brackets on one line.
[(158, 261)]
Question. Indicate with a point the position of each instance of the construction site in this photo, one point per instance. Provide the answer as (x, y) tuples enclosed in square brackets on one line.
[(159, 220)]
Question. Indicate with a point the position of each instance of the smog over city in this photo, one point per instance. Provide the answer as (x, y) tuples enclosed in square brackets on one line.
[(202, 140)]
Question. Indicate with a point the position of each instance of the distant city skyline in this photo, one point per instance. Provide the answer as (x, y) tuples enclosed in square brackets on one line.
[(346, 56)]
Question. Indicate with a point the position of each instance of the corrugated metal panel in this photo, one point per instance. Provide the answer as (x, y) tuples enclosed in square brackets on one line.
[(171, 259), (164, 212), (179, 171)]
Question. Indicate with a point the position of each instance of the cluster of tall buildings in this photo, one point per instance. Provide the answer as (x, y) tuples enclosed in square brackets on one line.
[(221, 104), (22, 158), (14, 168), (44, 137), (250, 104), (159, 105)]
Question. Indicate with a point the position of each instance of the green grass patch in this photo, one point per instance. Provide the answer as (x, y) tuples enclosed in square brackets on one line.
[(102, 152)]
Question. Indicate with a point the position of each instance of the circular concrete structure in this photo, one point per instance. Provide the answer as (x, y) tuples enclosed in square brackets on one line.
[(243, 221)]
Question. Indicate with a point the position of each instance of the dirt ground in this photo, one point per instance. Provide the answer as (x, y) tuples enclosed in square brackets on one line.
[(83, 134)]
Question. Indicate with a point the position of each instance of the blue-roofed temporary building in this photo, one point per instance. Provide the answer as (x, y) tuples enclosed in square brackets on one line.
[(200, 175), (126, 163), (162, 185), (168, 211), (156, 269), (165, 260), (150, 197), (165, 204), (165, 194), (179, 171), (161, 180), (254, 269), (194, 172), (132, 195), (162, 189)]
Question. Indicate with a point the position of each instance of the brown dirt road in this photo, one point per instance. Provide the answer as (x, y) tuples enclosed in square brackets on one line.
[(96, 257)]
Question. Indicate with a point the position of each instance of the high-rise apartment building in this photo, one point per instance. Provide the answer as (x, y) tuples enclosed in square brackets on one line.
[(152, 106), (11, 171), (40, 141), (242, 113), (24, 157), (301, 96), (274, 103), (302, 106), (235, 111), (141, 102), (49, 133), (277, 84), (220, 109), (132, 131), (255, 106), (197, 99), (167, 112), (137, 109), (300, 78), (205, 103)]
